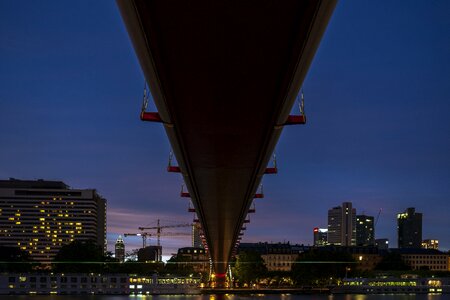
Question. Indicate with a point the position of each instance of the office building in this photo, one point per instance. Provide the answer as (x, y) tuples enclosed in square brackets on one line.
[(40, 216), (365, 230), (409, 229), (430, 244), (342, 225), (119, 249), (320, 236)]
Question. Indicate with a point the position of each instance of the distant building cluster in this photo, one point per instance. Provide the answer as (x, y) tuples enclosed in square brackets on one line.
[(41, 216), (346, 228)]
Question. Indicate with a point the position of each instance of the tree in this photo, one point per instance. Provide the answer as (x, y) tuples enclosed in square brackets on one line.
[(392, 262), (80, 256), (179, 265), (249, 267), (316, 267), (14, 260)]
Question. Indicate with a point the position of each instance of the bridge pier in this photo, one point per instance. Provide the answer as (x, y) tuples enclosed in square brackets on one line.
[(220, 280)]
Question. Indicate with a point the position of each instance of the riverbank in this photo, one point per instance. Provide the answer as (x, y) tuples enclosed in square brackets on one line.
[(248, 291)]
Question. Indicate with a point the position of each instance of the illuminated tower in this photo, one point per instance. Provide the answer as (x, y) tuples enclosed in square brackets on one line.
[(409, 229), (119, 249)]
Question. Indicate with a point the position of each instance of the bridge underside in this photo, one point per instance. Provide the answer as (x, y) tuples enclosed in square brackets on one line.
[(224, 76)]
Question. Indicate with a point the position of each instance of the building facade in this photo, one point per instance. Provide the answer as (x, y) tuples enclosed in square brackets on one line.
[(409, 229), (41, 216), (342, 225), (320, 236), (425, 259), (365, 230), (276, 256)]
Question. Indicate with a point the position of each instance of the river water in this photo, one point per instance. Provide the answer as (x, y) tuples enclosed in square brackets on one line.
[(235, 297)]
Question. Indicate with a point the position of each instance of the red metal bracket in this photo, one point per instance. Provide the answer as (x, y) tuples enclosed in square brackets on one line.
[(271, 171), (295, 120), (173, 169), (151, 117)]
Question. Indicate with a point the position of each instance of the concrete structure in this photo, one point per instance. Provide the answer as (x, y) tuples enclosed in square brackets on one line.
[(409, 229), (276, 256), (365, 230), (320, 236), (430, 244), (224, 77), (40, 216), (342, 225), (119, 249)]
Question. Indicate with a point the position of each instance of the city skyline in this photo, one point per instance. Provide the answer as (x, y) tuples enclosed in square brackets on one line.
[(376, 100)]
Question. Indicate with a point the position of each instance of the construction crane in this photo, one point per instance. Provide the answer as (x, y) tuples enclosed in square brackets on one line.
[(378, 216), (159, 228), (144, 236)]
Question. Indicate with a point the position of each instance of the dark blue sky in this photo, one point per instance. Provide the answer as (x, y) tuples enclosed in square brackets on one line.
[(377, 100)]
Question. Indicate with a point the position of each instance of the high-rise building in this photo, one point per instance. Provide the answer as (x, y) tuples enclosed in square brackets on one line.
[(365, 231), (40, 216), (409, 229), (342, 225), (119, 249), (430, 244), (320, 236), (196, 238)]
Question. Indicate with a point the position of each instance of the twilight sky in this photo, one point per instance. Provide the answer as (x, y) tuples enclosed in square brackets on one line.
[(377, 99)]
